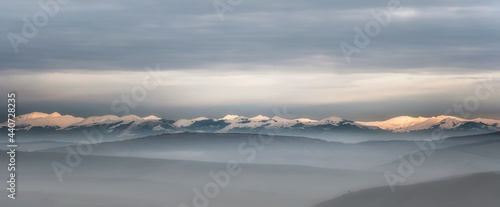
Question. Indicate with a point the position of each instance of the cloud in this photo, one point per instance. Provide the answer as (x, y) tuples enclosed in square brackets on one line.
[(226, 87), (265, 53), (126, 35)]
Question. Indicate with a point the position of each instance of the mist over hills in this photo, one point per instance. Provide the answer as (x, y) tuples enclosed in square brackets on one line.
[(133, 182), (167, 159), (268, 149), (288, 171), (39, 126)]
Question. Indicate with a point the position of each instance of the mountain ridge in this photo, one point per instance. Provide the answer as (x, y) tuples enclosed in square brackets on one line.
[(394, 124), (336, 127)]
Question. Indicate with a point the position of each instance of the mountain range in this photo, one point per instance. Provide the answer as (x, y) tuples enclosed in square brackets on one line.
[(43, 126)]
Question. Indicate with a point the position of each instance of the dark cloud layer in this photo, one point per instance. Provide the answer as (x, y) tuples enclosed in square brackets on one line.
[(283, 52), (127, 35)]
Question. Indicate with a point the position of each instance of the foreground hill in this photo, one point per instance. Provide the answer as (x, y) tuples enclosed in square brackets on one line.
[(481, 189)]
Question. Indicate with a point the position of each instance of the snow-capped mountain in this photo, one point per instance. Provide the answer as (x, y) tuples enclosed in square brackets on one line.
[(52, 125), (278, 123), (408, 123), (332, 128), (60, 122), (232, 123), (46, 120), (339, 129)]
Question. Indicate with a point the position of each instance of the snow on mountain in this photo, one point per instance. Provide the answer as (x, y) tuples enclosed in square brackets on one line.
[(331, 120), (444, 122), (487, 121), (276, 122), (396, 123), (131, 118), (46, 120), (188, 122), (259, 118), (58, 121), (244, 122), (36, 115), (96, 120), (229, 117), (66, 128), (240, 119), (158, 128), (133, 125), (408, 123), (151, 117), (281, 122), (112, 119), (127, 125), (306, 121)]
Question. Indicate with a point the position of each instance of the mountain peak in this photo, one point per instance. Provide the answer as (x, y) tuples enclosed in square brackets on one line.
[(409, 123), (54, 119), (277, 118), (200, 118), (259, 118), (305, 120), (36, 115), (442, 117), (230, 117), (55, 114), (151, 117), (131, 117), (395, 124), (332, 119), (405, 119)]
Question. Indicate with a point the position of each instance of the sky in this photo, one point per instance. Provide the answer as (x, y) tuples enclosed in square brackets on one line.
[(360, 60)]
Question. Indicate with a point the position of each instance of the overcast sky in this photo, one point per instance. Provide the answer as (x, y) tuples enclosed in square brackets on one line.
[(264, 56)]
